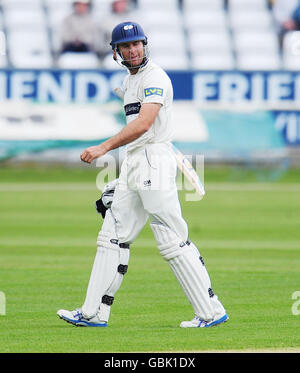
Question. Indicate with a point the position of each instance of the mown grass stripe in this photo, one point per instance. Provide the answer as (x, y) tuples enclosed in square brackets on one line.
[(144, 242), (226, 186)]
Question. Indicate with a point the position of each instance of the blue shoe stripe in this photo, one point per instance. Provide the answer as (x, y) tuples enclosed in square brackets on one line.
[(91, 324), (80, 322), (219, 321)]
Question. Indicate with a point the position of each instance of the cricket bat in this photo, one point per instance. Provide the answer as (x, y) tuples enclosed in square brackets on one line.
[(187, 169)]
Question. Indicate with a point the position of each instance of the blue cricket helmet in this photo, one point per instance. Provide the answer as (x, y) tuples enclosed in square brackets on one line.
[(126, 32)]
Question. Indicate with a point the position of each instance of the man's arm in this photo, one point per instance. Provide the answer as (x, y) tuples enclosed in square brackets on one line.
[(129, 133)]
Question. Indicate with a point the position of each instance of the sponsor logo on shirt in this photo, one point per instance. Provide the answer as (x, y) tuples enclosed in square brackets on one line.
[(133, 108), (153, 91)]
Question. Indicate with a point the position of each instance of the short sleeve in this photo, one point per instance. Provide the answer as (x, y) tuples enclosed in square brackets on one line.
[(154, 88)]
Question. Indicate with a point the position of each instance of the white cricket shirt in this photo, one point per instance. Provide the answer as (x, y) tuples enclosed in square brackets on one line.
[(149, 85)]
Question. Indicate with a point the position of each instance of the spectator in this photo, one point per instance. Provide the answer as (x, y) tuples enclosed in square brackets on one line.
[(80, 32), (121, 11), (287, 16)]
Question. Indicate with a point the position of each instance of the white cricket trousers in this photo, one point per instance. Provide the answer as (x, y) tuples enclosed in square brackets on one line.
[(147, 188)]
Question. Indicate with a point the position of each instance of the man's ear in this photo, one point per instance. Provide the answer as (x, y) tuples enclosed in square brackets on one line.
[(115, 55)]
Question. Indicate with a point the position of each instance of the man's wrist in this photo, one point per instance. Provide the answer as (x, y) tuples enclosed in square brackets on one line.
[(105, 147)]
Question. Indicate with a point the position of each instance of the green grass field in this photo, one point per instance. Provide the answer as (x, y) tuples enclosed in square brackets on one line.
[(247, 231)]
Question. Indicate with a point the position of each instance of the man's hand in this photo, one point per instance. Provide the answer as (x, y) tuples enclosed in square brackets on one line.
[(92, 153)]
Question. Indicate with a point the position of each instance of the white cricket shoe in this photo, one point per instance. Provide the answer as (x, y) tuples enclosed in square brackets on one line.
[(76, 318), (198, 323)]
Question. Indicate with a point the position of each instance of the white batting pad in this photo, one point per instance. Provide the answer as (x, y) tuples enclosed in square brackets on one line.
[(186, 265), (105, 278)]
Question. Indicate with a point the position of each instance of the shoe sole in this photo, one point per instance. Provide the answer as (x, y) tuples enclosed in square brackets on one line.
[(218, 322), (82, 323), (221, 320)]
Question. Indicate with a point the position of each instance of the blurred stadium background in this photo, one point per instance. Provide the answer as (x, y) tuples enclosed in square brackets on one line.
[(236, 80)]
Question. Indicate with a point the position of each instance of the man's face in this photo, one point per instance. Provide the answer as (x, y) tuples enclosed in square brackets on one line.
[(81, 8), (132, 52), (120, 6)]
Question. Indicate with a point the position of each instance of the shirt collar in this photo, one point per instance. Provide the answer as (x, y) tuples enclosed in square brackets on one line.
[(141, 69)]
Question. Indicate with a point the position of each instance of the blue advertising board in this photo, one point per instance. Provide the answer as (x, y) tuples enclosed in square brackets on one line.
[(288, 123), (96, 86)]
